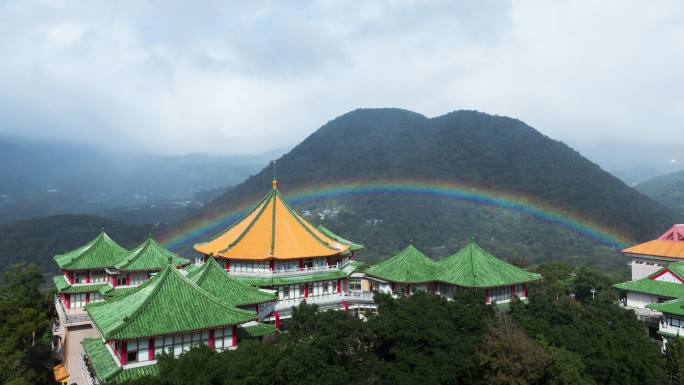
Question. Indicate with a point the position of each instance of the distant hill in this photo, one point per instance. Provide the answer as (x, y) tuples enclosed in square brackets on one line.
[(41, 178), (667, 189), (38, 240), (466, 147)]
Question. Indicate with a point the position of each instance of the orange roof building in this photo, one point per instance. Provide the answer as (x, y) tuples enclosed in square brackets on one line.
[(650, 256), (272, 230)]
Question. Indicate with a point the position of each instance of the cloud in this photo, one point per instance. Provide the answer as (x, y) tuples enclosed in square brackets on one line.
[(234, 77)]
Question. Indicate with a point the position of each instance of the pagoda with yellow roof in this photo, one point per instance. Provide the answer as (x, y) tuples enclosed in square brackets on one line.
[(274, 247)]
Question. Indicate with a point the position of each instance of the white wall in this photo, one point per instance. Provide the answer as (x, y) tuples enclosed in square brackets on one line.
[(640, 300)]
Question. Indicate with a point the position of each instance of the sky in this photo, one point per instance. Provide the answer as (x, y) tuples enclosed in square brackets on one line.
[(174, 77)]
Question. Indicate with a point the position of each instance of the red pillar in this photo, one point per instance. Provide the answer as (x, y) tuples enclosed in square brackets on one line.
[(339, 286), (70, 277), (87, 297), (88, 277), (408, 290), (234, 335), (345, 305), (66, 300), (227, 264), (306, 290), (116, 350), (525, 291), (128, 279), (487, 296), (112, 280), (301, 264), (212, 344), (124, 344), (277, 320), (150, 347), (270, 264)]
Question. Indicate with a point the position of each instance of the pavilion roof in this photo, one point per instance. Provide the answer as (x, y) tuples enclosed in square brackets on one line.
[(474, 267), (271, 230), (352, 245), (650, 285), (408, 266), (670, 244), (149, 256), (100, 253), (166, 304), (675, 306), (217, 282)]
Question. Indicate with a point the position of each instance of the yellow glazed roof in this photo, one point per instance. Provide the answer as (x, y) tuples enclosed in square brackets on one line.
[(660, 248), (271, 230)]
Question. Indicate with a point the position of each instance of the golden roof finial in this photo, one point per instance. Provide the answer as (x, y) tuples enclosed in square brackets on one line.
[(275, 182)]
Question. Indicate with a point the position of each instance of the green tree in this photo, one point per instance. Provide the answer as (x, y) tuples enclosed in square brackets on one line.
[(674, 361)]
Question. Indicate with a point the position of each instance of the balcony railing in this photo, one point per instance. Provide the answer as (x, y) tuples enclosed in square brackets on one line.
[(68, 319), (88, 377), (291, 272)]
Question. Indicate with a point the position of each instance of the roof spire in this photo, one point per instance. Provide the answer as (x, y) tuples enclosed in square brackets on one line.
[(275, 181)]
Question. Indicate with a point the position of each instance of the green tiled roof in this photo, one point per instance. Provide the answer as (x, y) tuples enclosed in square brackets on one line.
[(105, 367), (352, 246), (135, 373), (99, 253), (296, 279), (168, 303), (110, 292), (675, 307), (474, 267), (101, 360), (653, 287), (64, 287), (258, 330), (149, 256), (217, 282), (408, 266)]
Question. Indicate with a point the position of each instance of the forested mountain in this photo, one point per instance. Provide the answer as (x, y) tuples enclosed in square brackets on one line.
[(465, 147), (667, 189), (37, 240), (39, 178)]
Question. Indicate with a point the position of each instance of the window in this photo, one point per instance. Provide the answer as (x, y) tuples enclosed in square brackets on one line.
[(98, 276), (77, 301), (223, 338), (80, 276), (354, 285), (500, 294), (137, 351), (95, 297), (138, 278), (121, 280)]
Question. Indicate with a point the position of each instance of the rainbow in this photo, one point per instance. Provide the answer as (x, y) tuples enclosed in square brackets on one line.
[(212, 223)]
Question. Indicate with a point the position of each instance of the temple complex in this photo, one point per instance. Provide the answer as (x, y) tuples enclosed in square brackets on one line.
[(119, 309)]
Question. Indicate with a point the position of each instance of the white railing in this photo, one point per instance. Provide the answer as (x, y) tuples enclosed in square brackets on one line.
[(88, 377), (291, 272), (66, 318)]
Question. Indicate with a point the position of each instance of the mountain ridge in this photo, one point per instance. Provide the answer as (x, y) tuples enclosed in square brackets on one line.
[(463, 146)]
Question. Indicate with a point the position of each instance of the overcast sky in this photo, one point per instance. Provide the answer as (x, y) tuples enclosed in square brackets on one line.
[(185, 76)]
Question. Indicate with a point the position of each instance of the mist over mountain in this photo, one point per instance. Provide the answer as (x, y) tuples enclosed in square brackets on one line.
[(667, 189), (42, 178), (465, 147)]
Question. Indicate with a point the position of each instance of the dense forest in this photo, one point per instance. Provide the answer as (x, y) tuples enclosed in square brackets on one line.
[(562, 336), (464, 147)]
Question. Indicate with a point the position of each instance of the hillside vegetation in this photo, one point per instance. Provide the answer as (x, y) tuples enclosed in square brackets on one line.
[(465, 147), (667, 189)]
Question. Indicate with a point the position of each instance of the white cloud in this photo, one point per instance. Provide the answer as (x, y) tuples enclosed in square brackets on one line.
[(245, 77)]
